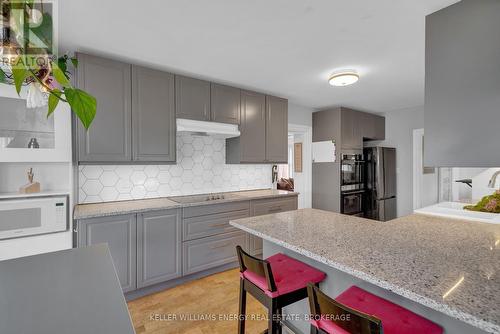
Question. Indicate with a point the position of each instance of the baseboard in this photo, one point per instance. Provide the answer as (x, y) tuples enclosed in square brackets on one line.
[(178, 281)]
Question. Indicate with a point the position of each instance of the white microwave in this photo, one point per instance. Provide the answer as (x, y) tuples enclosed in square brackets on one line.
[(32, 216)]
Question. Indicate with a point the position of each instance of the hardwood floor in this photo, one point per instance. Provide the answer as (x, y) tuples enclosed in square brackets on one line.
[(191, 307)]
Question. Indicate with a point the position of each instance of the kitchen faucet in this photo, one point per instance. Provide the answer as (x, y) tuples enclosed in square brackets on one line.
[(493, 180)]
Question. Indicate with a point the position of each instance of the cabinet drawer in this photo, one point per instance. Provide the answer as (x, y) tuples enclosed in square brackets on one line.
[(210, 252), (204, 210), (268, 206), (204, 226)]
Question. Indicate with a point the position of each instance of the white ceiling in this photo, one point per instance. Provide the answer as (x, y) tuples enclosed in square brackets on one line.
[(283, 47)]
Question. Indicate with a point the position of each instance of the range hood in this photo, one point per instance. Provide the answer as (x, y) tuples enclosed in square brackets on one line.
[(203, 128)]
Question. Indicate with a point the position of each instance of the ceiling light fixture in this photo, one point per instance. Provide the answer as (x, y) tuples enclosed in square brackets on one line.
[(343, 78)]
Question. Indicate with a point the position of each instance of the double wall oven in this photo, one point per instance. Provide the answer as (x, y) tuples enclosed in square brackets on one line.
[(352, 184)]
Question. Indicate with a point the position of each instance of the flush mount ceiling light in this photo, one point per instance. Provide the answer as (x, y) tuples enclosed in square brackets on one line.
[(343, 78)]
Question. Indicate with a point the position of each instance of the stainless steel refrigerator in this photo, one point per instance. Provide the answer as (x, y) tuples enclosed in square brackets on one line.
[(381, 200)]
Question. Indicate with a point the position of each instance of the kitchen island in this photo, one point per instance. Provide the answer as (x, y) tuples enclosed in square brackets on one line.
[(446, 270)]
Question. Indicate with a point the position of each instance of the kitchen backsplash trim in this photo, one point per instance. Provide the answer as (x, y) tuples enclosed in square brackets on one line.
[(200, 169)]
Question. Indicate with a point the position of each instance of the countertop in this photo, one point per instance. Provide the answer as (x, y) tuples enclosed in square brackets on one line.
[(449, 265), (93, 210), (73, 291)]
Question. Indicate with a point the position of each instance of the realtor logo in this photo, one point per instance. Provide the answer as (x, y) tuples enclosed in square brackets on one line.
[(28, 28)]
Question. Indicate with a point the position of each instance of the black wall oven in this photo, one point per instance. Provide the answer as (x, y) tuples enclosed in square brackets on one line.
[(352, 184)]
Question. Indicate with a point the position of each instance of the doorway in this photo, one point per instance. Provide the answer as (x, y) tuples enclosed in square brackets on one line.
[(301, 175)]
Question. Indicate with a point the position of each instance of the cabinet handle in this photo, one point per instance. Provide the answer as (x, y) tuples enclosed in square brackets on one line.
[(221, 245), (275, 208), (219, 225)]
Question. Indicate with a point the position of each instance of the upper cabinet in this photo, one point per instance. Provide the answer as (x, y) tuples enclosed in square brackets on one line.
[(135, 119), (109, 136), (347, 127), (462, 85), (276, 129), (192, 98), (264, 131), (137, 108), (225, 104), (153, 115)]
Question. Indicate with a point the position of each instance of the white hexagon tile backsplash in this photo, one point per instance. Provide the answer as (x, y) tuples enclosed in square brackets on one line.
[(200, 169)]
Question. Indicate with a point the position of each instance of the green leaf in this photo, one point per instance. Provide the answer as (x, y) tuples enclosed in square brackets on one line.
[(62, 63), (60, 75), (20, 73), (2, 76), (53, 100), (83, 104), (74, 60)]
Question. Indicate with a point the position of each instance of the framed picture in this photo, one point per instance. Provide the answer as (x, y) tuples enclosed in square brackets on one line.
[(297, 156)]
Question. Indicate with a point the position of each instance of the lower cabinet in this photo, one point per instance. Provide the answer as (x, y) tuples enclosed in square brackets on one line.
[(264, 207), (159, 246), (159, 239), (205, 253), (119, 232)]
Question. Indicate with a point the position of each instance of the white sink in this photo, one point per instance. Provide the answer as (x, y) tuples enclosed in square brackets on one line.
[(456, 210)]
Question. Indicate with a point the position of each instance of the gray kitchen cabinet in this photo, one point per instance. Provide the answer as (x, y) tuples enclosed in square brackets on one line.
[(276, 129), (159, 251), (205, 253), (153, 115), (351, 129), (119, 232), (225, 104), (268, 206), (372, 126), (192, 98), (379, 125), (250, 146), (212, 224), (462, 86), (109, 136), (264, 207)]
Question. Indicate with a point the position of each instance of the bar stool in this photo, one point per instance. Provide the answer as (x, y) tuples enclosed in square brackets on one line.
[(356, 311), (275, 282)]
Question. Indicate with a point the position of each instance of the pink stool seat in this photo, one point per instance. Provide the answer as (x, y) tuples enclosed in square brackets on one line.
[(395, 319), (289, 275)]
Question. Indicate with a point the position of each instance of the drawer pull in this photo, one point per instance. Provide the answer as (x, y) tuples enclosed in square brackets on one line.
[(219, 225), (221, 245), (274, 209)]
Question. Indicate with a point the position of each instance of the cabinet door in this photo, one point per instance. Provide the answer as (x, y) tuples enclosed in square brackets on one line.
[(153, 115), (192, 98), (158, 247), (119, 232), (108, 138), (276, 129), (379, 128), (352, 136), (225, 104), (205, 253), (253, 127)]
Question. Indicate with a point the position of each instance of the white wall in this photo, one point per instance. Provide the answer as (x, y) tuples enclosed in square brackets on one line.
[(299, 115), (399, 126)]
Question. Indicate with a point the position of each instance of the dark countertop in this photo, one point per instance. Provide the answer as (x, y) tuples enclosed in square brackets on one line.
[(92, 210), (73, 291)]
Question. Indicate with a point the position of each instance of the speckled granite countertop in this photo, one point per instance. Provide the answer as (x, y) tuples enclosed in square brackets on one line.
[(449, 265), (93, 210)]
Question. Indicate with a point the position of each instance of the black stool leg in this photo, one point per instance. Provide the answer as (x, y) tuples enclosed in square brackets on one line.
[(243, 307), (314, 330), (273, 322)]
